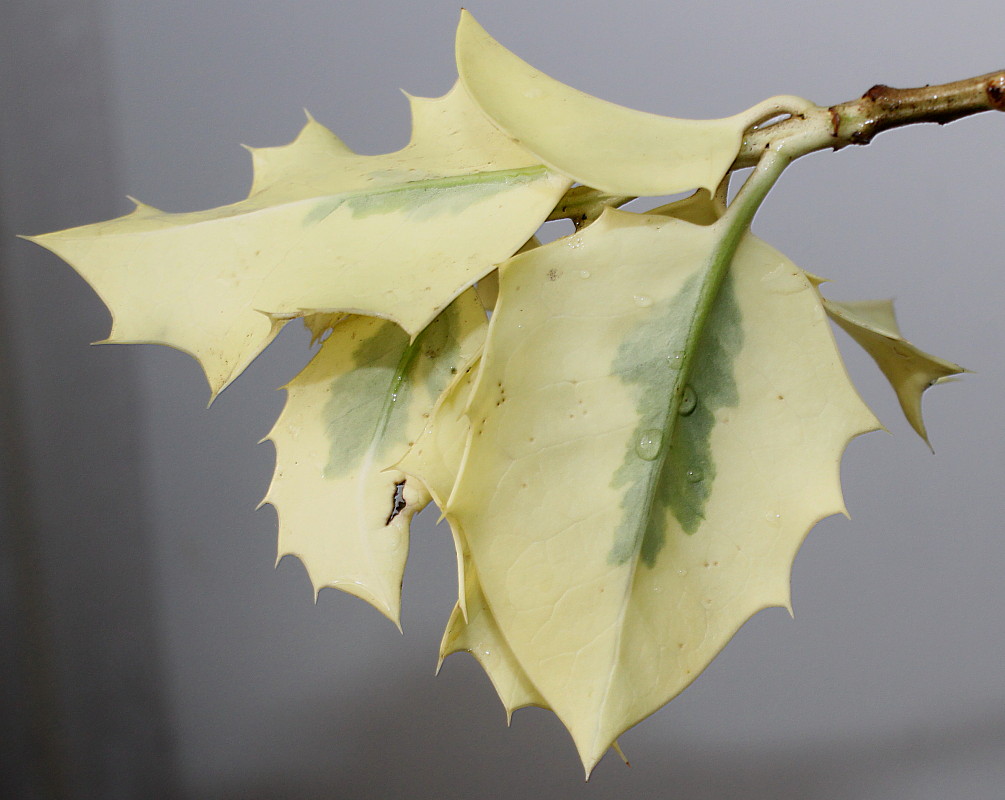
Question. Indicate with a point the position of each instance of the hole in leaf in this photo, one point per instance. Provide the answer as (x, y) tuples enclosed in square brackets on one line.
[(398, 501)]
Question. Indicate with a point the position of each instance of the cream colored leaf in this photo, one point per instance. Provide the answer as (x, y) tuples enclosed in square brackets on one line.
[(320, 325), (352, 413), (396, 236), (597, 143), (480, 636), (434, 459), (623, 526), (873, 325), (488, 287), (435, 456)]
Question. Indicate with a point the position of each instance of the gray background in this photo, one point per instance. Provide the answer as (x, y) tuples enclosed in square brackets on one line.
[(149, 648)]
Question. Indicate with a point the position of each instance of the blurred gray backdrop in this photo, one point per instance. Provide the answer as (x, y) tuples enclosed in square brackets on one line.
[(149, 648)]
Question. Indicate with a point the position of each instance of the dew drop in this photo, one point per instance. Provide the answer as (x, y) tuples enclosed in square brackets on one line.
[(695, 476), (688, 402), (643, 301), (648, 445), (584, 274), (675, 359), (682, 572)]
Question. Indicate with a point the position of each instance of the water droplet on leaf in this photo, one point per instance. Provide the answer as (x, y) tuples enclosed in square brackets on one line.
[(648, 446), (688, 402), (584, 274), (643, 301), (695, 476)]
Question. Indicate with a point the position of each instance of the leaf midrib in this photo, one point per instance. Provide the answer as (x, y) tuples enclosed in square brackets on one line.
[(731, 226)]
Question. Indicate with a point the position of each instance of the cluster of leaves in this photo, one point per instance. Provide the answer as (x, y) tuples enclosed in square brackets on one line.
[(629, 430)]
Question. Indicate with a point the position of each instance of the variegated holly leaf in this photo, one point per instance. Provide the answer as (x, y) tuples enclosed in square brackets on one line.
[(600, 144), (624, 522), (911, 371), (396, 236), (350, 415)]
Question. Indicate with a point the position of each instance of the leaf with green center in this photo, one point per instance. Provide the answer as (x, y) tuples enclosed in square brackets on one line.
[(623, 523), (597, 143), (319, 224), (349, 416), (910, 371)]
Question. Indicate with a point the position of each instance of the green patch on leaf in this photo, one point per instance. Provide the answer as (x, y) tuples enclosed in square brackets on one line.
[(363, 405), (668, 462), (424, 199)]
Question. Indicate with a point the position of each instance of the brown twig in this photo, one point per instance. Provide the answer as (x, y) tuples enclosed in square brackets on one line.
[(880, 109)]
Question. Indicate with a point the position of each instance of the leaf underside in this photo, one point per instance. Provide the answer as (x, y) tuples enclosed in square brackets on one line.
[(614, 570)]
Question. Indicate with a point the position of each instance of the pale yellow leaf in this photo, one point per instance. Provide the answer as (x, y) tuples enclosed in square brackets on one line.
[(320, 325), (609, 147), (349, 416), (488, 289), (873, 325), (396, 236), (620, 545), (434, 459), (435, 456), (480, 636)]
